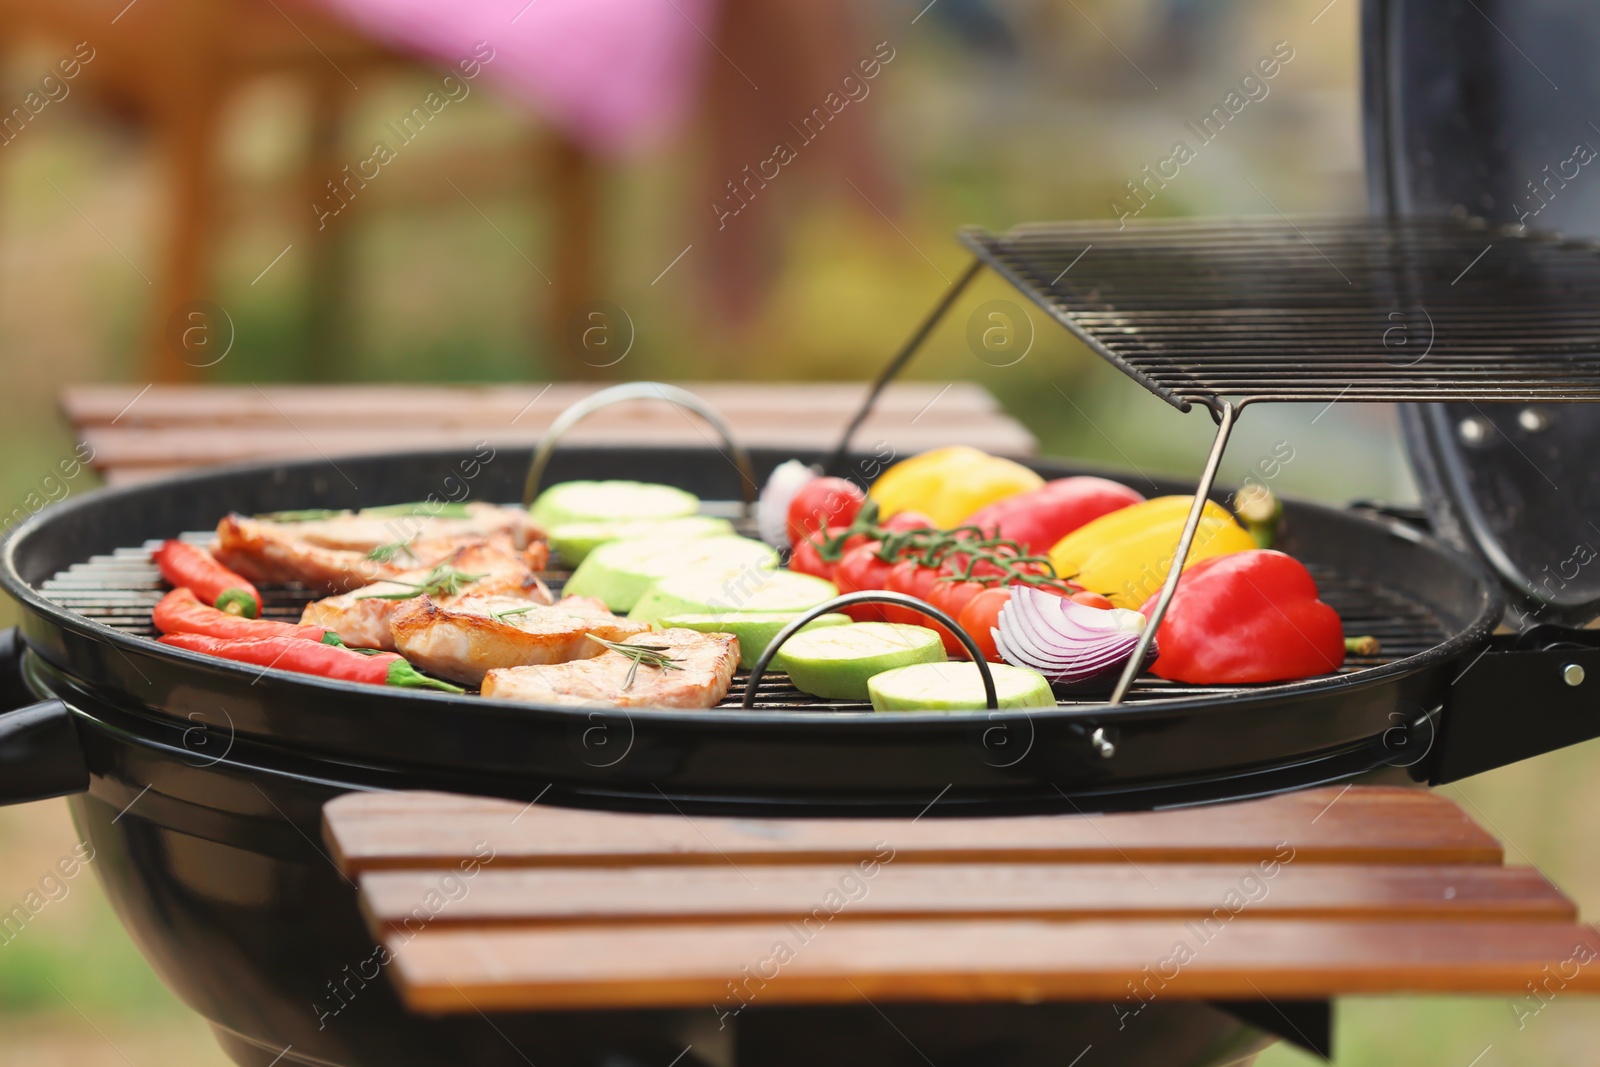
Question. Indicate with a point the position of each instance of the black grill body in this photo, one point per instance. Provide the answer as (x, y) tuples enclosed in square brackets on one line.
[(201, 786)]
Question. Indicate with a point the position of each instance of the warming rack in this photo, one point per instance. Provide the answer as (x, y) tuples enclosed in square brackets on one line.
[(1231, 312)]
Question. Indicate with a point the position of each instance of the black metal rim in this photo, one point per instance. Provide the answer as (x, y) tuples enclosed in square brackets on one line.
[(1464, 641)]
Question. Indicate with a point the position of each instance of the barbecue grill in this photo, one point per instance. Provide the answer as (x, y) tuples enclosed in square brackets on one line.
[(200, 782)]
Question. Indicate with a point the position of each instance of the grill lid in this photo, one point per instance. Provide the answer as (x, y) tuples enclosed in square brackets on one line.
[(1490, 110)]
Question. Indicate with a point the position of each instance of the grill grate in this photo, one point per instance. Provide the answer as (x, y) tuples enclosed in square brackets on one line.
[(119, 590), (1318, 310)]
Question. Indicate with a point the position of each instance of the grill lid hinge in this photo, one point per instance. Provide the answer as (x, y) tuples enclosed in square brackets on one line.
[(1526, 694)]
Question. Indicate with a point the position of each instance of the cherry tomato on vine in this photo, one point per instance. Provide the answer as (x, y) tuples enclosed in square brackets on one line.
[(806, 556), (860, 569), (952, 598), (806, 559), (1093, 600), (912, 578), (908, 520), (982, 615), (821, 503)]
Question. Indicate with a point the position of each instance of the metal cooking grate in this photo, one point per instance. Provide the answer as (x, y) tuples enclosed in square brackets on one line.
[(1270, 309), (119, 590)]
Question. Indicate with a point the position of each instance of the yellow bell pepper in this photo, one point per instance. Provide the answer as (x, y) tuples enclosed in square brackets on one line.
[(948, 484), (1126, 554)]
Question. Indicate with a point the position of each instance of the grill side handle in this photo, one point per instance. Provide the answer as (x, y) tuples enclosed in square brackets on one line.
[(40, 756), (1525, 695), (734, 453), (872, 596)]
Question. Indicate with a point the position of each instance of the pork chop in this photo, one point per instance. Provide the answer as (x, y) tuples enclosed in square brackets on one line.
[(361, 617), (699, 674), (475, 634), (341, 554)]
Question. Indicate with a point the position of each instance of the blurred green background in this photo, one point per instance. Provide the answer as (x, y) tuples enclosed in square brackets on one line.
[(992, 113)]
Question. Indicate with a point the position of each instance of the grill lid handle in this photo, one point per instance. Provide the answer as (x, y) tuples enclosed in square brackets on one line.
[(40, 756), (619, 394)]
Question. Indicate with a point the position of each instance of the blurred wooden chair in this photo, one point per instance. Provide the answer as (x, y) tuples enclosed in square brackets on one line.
[(171, 66)]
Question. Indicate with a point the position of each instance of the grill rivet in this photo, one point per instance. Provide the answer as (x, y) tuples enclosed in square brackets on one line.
[(1533, 420), (1473, 430), (1572, 674), (1106, 749)]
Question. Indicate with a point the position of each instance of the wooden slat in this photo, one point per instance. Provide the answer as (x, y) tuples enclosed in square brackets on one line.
[(1214, 893), (172, 427), (1376, 825), (470, 405), (697, 965), (123, 446)]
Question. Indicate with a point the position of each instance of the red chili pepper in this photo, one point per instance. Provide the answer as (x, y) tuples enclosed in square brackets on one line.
[(1039, 518), (309, 657), (187, 566), (861, 569), (1247, 617), (181, 612)]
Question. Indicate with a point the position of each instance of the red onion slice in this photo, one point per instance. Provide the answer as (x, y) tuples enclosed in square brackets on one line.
[(1065, 641)]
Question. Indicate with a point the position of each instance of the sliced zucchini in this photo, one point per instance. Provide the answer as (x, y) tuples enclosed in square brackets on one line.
[(610, 502), (838, 661), (572, 541), (957, 687), (717, 590), (754, 629), (619, 572)]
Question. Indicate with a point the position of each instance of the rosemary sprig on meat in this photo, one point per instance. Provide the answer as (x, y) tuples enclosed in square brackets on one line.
[(385, 553), (649, 655), (301, 515), (443, 580), (516, 611)]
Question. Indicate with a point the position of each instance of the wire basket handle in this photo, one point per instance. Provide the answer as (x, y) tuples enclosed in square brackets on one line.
[(618, 394), (873, 596)]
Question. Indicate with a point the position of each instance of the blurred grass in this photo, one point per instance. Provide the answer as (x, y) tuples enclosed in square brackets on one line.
[(435, 294)]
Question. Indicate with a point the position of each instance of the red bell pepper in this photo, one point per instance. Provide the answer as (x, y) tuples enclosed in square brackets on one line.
[(181, 612), (1039, 518), (1247, 617), (309, 657), (188, 566)]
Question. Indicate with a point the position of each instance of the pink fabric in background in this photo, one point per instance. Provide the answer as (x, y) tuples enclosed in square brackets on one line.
[(613, 74)]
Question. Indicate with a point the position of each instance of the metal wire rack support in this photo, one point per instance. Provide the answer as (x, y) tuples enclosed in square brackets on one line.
[(1223, 411)]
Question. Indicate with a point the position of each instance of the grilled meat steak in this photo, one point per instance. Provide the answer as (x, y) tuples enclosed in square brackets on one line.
[(464, 640), (351, 551), (701, 670), (361, 618)]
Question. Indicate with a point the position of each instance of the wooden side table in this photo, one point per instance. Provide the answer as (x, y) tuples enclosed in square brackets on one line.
[(140, 433), (1273, 905)]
